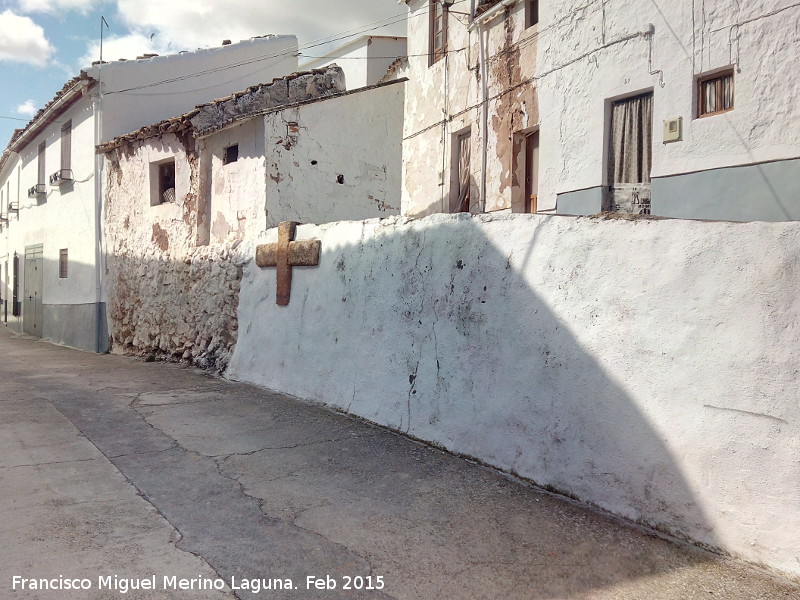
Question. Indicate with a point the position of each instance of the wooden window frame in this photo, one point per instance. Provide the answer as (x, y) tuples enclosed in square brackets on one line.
[(719, 76), (436, 18), (41, 166), (66, 146), (63, 263)]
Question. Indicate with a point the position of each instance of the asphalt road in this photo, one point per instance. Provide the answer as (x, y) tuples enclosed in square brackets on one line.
[(116, 473)]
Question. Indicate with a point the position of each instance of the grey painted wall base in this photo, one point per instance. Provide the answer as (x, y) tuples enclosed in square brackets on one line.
[(761, 192), (75, 325), (581, 202)]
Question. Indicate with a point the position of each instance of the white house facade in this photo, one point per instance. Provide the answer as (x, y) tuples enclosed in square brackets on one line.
[(53, 181), (672, 109)]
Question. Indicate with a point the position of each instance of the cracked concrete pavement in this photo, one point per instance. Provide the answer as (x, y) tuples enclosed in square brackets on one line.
[(110, 465)]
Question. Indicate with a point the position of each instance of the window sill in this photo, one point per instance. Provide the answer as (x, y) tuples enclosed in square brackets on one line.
[(714, 114)]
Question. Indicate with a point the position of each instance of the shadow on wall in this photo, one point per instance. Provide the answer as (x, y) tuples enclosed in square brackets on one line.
[(575, 364)]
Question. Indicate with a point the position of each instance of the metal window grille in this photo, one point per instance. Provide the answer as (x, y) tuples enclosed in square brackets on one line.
[(63, 260)]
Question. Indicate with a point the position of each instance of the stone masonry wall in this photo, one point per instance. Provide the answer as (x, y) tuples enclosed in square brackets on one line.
[(167, 296)]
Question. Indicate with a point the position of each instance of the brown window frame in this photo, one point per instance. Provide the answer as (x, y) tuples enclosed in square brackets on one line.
[(718, 77), (63, 263), (437, 19), (66, 146)]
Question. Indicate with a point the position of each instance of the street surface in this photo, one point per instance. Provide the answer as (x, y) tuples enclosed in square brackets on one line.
[(118, 474)]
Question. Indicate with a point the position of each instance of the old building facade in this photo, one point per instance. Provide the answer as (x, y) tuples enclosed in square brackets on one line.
[(666, 108), (183, 194), (51, 244)]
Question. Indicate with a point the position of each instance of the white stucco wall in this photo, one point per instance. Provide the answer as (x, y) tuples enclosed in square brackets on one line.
[(145, 91), (581, 50), (364, 60), (237, 190), (342, 160), (647, 367), (62, 218)]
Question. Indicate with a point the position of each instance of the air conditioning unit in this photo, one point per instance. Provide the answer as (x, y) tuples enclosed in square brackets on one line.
[(61, 176), (36, 190), (13, 207), (3, 217)]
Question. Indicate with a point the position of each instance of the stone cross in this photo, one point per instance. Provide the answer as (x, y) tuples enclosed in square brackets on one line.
[(287, 254)]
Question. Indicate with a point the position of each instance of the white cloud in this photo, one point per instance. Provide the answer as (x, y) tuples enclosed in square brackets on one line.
[(22, 40), (124, 46), (56, 6), (189, 24), (27, 108)]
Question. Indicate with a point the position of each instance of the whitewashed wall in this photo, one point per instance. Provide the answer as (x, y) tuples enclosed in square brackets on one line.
[(237, 190), (647, 367), (598, 52), (364, 61), (140, 92), (342, 159), (62, 218)]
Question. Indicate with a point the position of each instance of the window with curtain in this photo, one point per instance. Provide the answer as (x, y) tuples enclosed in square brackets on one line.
[(715, 94)]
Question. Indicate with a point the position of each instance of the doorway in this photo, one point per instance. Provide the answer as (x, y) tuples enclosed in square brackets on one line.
[(32, 298), (532, 172), (630, 155)]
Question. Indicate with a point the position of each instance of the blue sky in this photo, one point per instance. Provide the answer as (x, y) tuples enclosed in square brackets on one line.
[(43, 43)]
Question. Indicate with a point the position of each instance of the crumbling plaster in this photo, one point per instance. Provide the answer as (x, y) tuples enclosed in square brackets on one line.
[(648, 367), (167, 295), (592, 53), (335, 159), (444, 100)]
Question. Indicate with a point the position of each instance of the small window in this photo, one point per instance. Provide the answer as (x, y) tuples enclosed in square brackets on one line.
[(66, 146), (62, 263), (166, 182), (41, 176), (531, 13), (715, 94), (438, 31), (230, 155)]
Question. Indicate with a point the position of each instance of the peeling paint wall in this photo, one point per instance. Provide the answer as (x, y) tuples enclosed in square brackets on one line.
[(335, 159), (166, 295), (237, 189), (445, 99), (550, 347)]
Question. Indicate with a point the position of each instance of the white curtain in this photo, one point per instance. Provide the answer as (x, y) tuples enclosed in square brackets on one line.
[(631, 140), (463, 198)]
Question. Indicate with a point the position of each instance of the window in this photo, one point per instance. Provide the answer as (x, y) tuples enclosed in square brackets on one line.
[(438, 31), (715, 94), (230, 155), (66, 146), (42, 178), (62, 263), (166, 182), (531, 13)]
